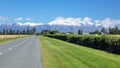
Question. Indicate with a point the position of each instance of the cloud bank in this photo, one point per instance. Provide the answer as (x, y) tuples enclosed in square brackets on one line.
[(29, 23), (85, 22), (70, 21)]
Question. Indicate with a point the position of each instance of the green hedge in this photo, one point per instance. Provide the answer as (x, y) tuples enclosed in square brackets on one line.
[(107, 43)]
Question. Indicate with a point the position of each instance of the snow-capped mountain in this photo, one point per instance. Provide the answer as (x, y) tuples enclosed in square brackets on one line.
[(60, 28), (66, 24)]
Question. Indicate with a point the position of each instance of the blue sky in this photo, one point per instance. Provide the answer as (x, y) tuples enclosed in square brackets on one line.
[(45, 11)]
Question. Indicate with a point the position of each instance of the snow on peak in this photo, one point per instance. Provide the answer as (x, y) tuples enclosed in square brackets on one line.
[(71, 21), (65, 21), (29, 23)]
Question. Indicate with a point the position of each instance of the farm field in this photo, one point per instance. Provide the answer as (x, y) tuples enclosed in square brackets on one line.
[(10, 37), (60, 54)]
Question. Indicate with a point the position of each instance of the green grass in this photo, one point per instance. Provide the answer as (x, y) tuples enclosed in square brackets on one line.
[(60, 54)]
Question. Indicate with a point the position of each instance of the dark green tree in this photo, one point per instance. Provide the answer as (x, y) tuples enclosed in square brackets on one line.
[(116, 30), (97, 32), (54, 32), (103, 30), (3, 31), (18, 31), (24, 32), (70, 32), (13, 31), (80, 32), (33, 30), (28, 31), (10, 31)]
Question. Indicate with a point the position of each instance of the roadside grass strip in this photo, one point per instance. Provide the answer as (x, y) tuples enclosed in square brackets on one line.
[(60, 54)]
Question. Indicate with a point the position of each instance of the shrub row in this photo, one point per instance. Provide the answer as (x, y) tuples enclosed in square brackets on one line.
[(107, 43)]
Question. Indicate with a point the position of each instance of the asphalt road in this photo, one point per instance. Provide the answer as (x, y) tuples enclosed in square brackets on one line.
[(24, 53)]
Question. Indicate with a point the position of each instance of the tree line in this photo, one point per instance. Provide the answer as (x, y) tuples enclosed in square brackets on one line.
[(53, 32), (11, 31), (46, 32), (115, 30)]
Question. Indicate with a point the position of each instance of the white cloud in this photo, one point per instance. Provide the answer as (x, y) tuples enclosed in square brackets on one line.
[(65, 21), (18, 19), (85, 22), (72, 21), (28, 19), (87, 19), (29, 23), (97, 23), (32, 24), (110, 22)]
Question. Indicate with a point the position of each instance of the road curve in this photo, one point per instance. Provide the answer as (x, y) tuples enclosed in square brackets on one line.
[(24, 53)]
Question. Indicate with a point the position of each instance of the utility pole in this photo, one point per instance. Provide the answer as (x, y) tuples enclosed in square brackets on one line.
[(0, 21), (6, 21), (19, 30)]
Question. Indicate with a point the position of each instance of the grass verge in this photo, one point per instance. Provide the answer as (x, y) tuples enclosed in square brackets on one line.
[(60, 54)]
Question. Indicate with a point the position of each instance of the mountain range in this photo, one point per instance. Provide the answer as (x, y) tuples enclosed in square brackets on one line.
[(60, 28), (66, 24)]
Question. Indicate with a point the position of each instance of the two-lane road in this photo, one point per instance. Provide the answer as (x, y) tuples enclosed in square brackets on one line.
[(24, 53)]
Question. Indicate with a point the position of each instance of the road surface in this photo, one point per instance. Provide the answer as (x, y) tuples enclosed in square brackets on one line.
[(24, 53)]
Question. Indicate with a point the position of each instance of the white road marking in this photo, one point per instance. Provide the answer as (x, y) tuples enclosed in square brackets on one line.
[(1, 53)]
